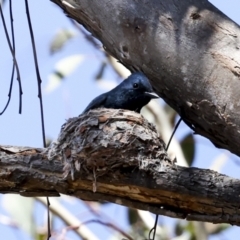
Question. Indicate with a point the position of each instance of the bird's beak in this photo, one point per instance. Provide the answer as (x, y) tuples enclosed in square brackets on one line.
[(152, 94)]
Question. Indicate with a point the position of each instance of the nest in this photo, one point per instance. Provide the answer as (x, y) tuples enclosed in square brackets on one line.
[(105, 139)]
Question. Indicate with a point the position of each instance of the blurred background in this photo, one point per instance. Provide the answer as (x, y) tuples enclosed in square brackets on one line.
[(75, 69)]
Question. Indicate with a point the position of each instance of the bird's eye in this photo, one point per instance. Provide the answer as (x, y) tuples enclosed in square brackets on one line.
[(135, 85)]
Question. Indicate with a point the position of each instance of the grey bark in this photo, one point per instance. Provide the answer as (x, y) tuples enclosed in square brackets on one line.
[(189, 50), (117, 156)]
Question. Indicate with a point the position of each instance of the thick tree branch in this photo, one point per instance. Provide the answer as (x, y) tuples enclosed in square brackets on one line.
[(188, 49), (117, 156)]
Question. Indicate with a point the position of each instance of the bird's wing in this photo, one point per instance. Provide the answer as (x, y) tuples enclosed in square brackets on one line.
[(96, 102)]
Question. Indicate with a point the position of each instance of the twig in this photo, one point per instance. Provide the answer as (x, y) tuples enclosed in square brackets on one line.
[(110, 226), (39, 81), (156, 219), (12, 50)]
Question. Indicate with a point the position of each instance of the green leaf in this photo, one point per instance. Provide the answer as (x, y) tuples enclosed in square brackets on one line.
[(63, 69), (60, 39), (188, 148), (41, 236), (101, 71), (178, 228), (133, 216)]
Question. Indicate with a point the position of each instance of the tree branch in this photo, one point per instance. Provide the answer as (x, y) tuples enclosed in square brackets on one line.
[(189, 50), (121, 157)]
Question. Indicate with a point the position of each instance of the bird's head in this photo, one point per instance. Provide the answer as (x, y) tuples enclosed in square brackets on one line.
[(139, 83)]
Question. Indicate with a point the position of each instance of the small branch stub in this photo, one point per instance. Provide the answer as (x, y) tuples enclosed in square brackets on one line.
[(105, 139)]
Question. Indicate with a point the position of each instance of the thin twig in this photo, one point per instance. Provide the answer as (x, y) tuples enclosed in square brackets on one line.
[(37, 72), (12, 50), (110, 225), (175, 129), (39, 81), (13, 67), (156, 218)]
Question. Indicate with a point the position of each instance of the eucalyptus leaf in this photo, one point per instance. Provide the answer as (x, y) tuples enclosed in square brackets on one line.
[(133, 216), (101, 71), (60, 39), (188, 148), (63, 69)]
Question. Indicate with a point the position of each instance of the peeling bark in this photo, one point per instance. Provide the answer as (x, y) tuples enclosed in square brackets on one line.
[(139, 174), (189, 50)]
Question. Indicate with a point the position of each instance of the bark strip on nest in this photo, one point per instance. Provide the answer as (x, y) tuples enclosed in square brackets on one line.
[(105, 139)]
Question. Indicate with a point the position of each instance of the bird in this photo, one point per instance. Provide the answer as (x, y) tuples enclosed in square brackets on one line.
[(131, 94)]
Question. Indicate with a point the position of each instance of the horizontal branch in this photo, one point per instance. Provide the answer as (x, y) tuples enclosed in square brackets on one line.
[(133, 176)]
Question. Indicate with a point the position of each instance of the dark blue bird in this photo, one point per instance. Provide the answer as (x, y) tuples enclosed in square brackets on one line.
[(131, 94)]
